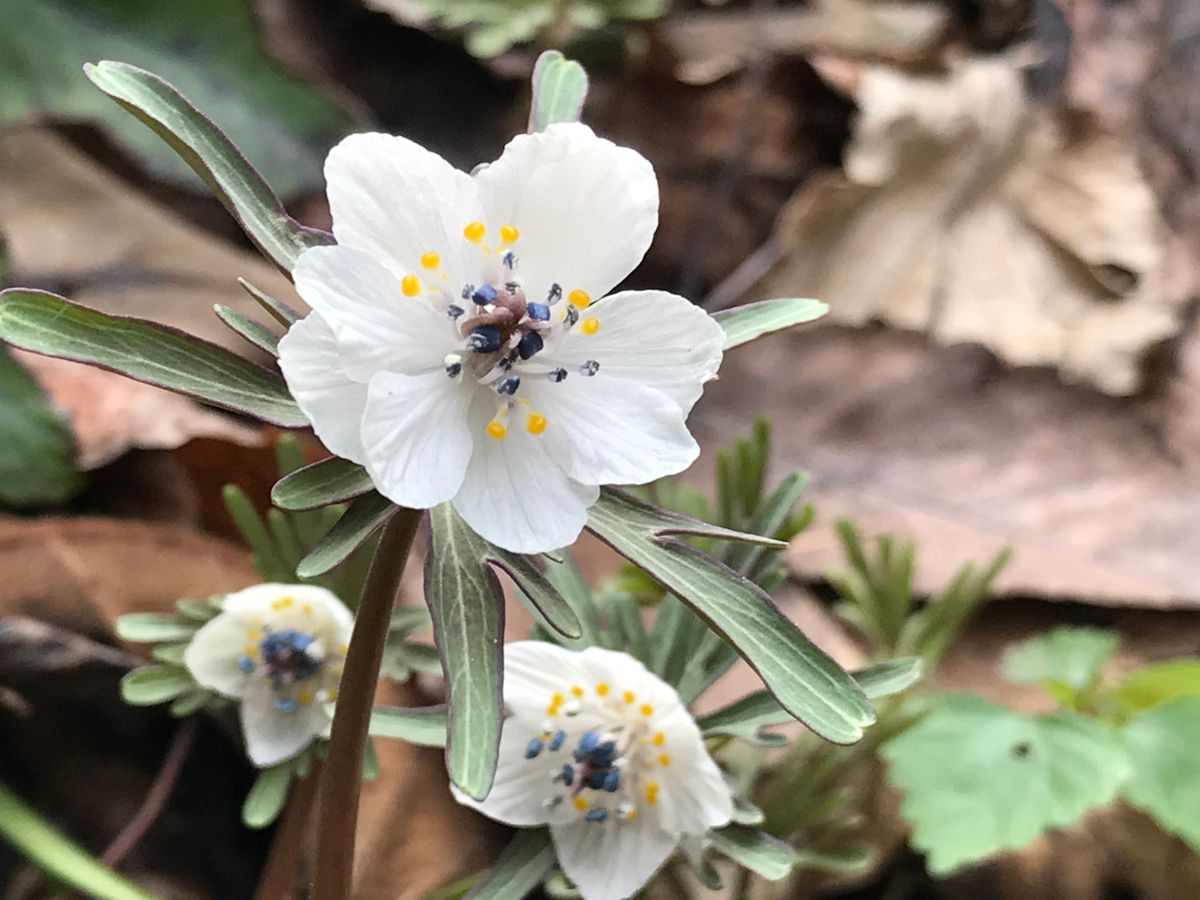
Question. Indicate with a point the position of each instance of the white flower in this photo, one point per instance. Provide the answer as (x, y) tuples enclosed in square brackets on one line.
[(461, 346), (606, 754), (279, 649)]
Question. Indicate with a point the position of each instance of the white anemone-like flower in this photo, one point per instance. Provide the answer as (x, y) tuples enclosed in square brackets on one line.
[(461, 346), (279, 649), (606, 754)]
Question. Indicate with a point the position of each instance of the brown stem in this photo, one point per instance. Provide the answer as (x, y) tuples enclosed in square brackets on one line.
[(342, 780), (280, 874), (156, 798)]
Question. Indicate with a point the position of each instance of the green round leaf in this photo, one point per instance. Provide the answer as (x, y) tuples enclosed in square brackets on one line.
[(1071, 656), (1165, 782), (155, 684), (265, 800), (1144, 688)]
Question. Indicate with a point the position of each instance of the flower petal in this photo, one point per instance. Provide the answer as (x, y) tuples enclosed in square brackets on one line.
[(605, 430), (377, 327), (395, 200), (212, 656), (273, 735), (585, 209), (611, 860), (311, 365), (515, 493), (312, 609), (694, 794), (418, 442)]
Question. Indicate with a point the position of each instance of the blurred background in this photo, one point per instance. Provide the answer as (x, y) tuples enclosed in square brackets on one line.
[(997, 198)]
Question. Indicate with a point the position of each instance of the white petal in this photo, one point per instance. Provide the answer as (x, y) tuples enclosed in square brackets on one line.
[(212, 655), (311, 365), (273, 735), (377, 327), (313, 610), (694, 795), (605, 430), (515, 494), (534, 671), (585, 208), (395, 200), (417, 437), (612, 860), (652, 338)]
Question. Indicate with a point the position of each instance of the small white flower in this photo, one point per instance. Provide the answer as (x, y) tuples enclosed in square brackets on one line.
[(279, 649), (462, 347), (606, 754)]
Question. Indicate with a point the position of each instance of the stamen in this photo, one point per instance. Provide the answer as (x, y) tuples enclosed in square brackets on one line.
[(474, 232), (454, 310), (531, 342), (536, 423), (554, 294), (484, 339), (558, 375), (246, 664), (579, 298), (659, 738), (626, 810), (468, 290), (581, 804), (602, 690), (495, 429), (572, 316), (664, 759), (410, 285), (430, 260), (283, 704), (509, 385), (484, 294), (628, 697), (453, 365), (652, 793), (538, 312), (533, 748), (556, 740), (568, 774), (646, 709), (508, 234), (599, 814), (589, 368), (590, 325), (509, 260)]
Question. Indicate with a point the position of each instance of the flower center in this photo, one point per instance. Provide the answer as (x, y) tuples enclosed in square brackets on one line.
[(609, 771), (289, 658), (504, 331)]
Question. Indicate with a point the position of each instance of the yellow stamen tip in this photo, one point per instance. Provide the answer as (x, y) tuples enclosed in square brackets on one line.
[(250, 650), (646, 710), (308, 610), (659, 738), (496, 430), (590, 325), (602, 690), (430, 260), (577, 691), (664, 760), (579, 298), (410, 285), (536, 423), (474, 232), (509, 233), (652, 793), (305, 697), (557, 700), (628, 696), (333, 694), (580, 804)]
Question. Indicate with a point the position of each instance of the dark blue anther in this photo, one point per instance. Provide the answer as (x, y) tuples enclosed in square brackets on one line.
[(509, 385), (454, 369), (612, 780), (539, 312), (454, 310), (572, 315), (568, 774), (589, 368), (484, 294), (599, 814), (531, 342), (603, 756), (467, 291), (554, 294), (484, 339), (556, 740), (533, 748), (589, 741), (512, 286), (595, 780), (246, 664), (558, 375), (509, 260), (285, 705)]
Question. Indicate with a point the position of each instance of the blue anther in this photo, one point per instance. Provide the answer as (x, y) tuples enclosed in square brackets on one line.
[(556, 740), (509, 260), (531, 342), (454, 370), (603, 756), (595, 780), (283, 704), (484, 294), (454, 310), (589, 741), (572, 315), (558, 375), (484, 339), (246, 664), (509, 385), (568, 774), (539, 312), (589, 368), (612, 780), (554, 294), (599, 814), (533, 748)]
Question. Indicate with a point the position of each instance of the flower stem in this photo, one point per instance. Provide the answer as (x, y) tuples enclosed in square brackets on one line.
[(342, 778)]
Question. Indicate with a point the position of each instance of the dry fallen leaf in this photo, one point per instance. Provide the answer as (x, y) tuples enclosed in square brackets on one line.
[(969, 213)]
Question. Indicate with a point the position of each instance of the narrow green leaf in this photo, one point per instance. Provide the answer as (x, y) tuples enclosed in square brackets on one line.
[(767, 520), (186, 704), (525, 862), (152, 628), (328, 481), (807, 683), (212, 156), (753, 320), (60, 858), (565, 577), (277, 309), (888, 678), (266, 798), (467, 607), (197, 611), (145, 351), (362, 518), (1070, 655), (267, 560), (978, 778), (148, 685), (171, 654), (559, 88), (425, 726), (756, 850), (1158, 683), (838, 862), (254, 332), (1165, 783), (408, 620)]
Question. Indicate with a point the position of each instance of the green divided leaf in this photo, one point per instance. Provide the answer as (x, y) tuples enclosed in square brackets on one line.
[(1158, 683), (745, 323), (329, 481), (810, 685), (363, 518), (145, 351), (756, 850), (525, 862), (1165, 782), (148, 685), (37, 455), (215, 158), (425, 727), (978, 778), (888, 678), (268, 795), (256, 333), (1068, 655), (559, 88)]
